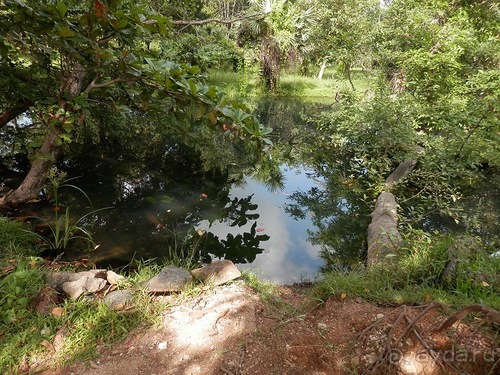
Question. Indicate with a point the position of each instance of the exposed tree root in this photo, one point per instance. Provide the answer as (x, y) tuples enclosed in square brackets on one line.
[(400, 341), (490, 316)]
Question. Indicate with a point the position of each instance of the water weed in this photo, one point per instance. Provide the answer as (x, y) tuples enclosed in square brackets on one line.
[(64, 229)]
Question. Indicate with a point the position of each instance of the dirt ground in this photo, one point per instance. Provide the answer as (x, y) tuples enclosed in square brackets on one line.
[(230, 330)]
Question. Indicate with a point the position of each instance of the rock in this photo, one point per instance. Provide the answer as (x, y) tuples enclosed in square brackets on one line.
[(162, 345), (57, 312), (59, 338), (118, 299), (113, 278), (45, 300), (57, 279), (322, 326), (170, 279), (85, 284), (218, 272)]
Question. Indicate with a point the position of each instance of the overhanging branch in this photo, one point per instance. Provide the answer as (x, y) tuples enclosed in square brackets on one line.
[(212, 20), (95, 85), (11, 113)]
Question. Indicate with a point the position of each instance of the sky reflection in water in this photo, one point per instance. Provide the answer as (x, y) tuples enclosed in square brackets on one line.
[(288, 256)]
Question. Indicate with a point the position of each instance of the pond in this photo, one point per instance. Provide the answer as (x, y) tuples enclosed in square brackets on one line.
[(310, 218), (186, 213)]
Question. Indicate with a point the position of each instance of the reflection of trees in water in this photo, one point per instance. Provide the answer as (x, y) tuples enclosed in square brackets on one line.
[(340, 218), (336, 205), (159, 205), (240, 248)]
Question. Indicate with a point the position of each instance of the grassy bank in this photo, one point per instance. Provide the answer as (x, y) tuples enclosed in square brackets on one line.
[(26, 336), (248, 84)]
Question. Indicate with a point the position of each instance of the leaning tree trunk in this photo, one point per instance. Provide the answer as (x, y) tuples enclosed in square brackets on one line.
[(71, 86), (383, 238), (11, 113), (35, 179)]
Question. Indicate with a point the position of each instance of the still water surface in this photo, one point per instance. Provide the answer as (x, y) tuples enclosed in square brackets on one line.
[(287, 255), (155, 214), (170, 207)]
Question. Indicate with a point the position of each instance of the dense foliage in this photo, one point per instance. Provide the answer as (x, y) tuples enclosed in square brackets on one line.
[(98, 77)]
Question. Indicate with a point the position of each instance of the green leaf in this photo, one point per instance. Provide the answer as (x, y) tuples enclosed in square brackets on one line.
[(66, 32), (195, 69), (212, 117), (61, 8), (192, 88), (82, 101)]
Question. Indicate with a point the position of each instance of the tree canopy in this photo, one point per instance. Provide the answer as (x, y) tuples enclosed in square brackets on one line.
[(69, 61)]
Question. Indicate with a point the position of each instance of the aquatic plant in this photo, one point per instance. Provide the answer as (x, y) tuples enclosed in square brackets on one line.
[(62, 231)]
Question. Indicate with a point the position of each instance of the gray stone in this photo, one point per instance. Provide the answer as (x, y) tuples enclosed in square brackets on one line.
[(218, 272), (57, 279), (118, 299), (170, 279), (113, 278), (85, 284)]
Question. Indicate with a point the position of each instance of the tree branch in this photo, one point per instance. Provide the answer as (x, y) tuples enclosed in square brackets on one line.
[(11, 113), (95, 85), (491, 315), (211, 20)]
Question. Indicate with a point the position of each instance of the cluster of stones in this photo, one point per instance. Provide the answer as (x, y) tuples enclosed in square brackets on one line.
[(90, 284)]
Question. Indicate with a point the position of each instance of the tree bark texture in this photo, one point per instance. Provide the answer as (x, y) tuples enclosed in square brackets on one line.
[(35, 179), (384, 238), (383, 235)]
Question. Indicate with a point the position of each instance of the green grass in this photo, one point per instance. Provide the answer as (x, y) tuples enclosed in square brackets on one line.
[(249, 85), (417, 278), (88, 324), (263, 288), (15, 239)]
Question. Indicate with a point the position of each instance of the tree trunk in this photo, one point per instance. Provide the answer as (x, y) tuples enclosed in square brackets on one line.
[(270, 62), (322, 70), (35, 179), (348, 74), (11, 113), (71, 86), (383, 238), (383, 235)]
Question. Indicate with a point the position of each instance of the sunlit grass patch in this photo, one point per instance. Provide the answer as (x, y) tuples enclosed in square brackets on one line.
[(249, 84), (420, 276), (263, 288)]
